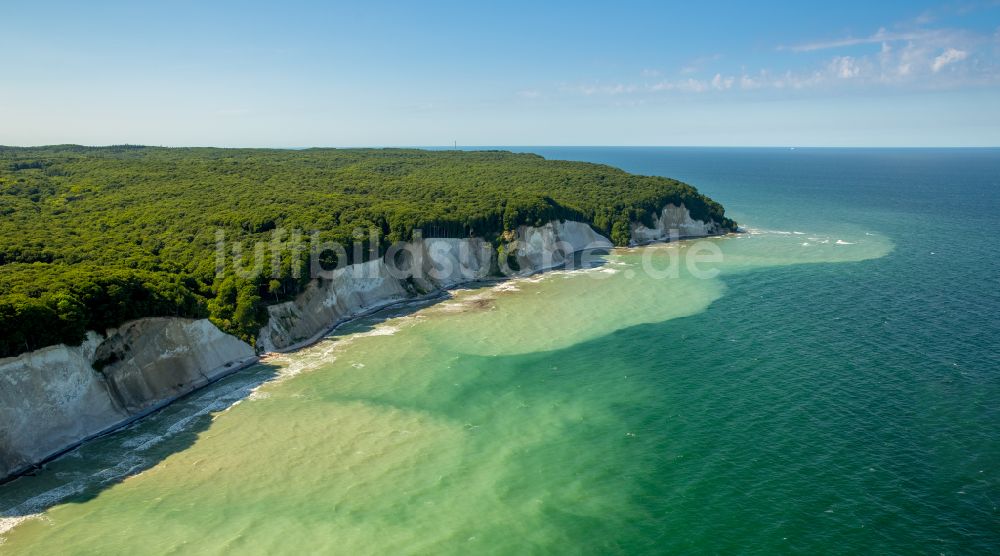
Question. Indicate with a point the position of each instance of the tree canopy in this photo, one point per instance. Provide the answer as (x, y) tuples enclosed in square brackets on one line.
[(91, 237)]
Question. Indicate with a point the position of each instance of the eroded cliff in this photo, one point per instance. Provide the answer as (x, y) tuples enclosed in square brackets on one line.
[(420, 268), (673, 222), (53, 398)]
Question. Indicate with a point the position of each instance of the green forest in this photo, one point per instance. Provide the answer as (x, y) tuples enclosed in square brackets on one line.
[(91, 237)]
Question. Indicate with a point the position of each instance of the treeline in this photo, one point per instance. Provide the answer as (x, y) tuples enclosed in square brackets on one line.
[(92, 237), (78, 300)]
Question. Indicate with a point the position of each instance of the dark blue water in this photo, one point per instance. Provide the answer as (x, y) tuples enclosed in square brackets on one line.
[(872, 388), (840, 404)]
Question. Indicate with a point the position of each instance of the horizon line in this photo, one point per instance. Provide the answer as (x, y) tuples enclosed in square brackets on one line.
[(481, 147)]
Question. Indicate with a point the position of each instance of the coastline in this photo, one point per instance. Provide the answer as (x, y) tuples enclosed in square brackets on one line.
[(439, 295), (223, 372), (235, 367), (424, 300), (218, 373)]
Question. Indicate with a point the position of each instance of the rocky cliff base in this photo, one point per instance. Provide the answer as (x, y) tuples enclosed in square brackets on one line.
[(674, 222), (54, 398), (426, 267)]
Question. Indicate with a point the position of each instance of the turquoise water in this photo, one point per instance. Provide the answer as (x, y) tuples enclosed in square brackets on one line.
[(833, 389)]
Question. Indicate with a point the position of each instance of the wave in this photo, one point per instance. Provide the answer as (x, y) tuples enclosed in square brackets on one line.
[(759, 231), (509, 286), (34, 507)]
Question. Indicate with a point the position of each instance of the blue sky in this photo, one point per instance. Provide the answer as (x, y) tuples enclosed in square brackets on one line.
[(294, 74)]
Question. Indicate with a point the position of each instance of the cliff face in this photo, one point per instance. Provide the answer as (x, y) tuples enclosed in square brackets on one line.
[(442, 262), (49, 399), (447, 262), (348, 292), (673, 219), (150, 360), (53, 398), (549, 246), (423, 267)]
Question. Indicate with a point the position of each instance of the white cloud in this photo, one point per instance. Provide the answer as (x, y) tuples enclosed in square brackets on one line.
[(880, 36), (949, 56), (844, 67), (698, 64), (913, 59), (616, 89), (721, 83), (693, 85), (748, 82), (689, 85)]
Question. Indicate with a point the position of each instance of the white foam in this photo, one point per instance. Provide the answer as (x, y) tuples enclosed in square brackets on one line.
[(506, 287), (382, 330), (210, 401), (8, 523), (137, 441), (307, 363), (326, 351), (842, 242), (582, 271), (758, 231), (216, 405), (34, 507)]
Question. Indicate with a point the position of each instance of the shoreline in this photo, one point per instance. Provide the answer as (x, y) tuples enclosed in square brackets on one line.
[(446, 292), (240, 365), (231, 368), (439, 295)]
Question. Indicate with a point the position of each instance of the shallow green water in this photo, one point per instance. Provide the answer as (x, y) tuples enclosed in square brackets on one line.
[(823, 392)]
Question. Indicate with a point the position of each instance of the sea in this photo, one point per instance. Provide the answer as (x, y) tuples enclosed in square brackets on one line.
[(827, 382)]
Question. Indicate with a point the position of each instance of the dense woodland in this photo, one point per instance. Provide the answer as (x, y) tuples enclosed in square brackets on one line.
[(93, 237)]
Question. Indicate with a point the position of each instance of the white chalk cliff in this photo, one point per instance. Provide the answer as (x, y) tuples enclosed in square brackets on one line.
[(51, 398), (364, 287), (673, 222), (549, 246), (54, 398), (443, 262)]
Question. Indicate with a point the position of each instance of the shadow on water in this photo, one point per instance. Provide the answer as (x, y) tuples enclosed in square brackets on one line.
[(85, 472)]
